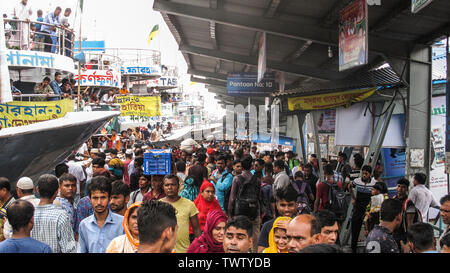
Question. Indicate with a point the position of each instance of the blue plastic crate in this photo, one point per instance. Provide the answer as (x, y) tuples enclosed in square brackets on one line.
[(158, 162)]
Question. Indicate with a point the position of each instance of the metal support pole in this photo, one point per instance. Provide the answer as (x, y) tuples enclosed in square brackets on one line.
[(315, 118), (380, 132), (301, 117)]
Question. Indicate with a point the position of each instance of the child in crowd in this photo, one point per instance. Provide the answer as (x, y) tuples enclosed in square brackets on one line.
[(373, 214)]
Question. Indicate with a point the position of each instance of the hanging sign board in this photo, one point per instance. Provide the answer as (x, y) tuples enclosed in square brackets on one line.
[(353, 35), (327, 101)]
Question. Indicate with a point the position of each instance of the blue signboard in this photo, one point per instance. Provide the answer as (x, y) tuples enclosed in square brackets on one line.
[(246, 84), (90, 46)]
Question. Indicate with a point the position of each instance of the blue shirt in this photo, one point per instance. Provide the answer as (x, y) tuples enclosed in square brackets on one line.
[(71, 210), (24, 245), (93, 239), (50, 19), (38, 27), (223, 184), (56, 88)]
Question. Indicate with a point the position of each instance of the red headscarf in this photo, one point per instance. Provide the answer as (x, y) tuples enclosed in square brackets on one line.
[(204, 206), (206, 242)]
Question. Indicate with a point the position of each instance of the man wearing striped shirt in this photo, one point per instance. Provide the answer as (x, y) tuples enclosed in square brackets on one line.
[(363, 186), (51, 223)]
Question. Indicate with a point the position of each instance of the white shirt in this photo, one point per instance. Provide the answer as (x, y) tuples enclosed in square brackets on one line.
[(423, 199), (76, 170), (105, 98), (22, 12), (157, 133), (82, 149), (7, 229)]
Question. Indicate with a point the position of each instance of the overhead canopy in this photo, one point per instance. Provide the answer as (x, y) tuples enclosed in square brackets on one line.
[(217, 37)]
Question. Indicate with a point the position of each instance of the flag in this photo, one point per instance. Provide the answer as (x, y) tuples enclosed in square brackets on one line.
[(81, 5), (153, 33)]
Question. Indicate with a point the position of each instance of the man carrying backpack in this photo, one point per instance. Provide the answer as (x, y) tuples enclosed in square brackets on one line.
[(305, 196), (246, 199), (411, 214), (327, 191)]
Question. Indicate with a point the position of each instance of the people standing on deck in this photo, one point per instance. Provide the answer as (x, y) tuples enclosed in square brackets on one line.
[(43, 88), (22, 11), (50, 31)]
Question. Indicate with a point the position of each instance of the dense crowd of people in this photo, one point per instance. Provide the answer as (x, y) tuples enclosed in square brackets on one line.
[(223, 197)]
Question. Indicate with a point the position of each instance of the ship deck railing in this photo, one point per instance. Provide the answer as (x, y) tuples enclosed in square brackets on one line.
[(64, 37), (29, 97)]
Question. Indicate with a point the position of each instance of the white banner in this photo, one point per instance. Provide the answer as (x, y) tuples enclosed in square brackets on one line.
[(438, 177), (5, 86), (35, 59)]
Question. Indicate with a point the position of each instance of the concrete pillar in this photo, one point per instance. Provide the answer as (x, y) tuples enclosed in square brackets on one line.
[(419, 109)]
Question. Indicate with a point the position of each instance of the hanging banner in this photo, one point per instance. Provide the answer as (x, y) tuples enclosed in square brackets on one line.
[(140, 106), (326, 101), (19, 113), (438, 177), (417, 5), (353, 35), (104, 78), (394, 167), (262, 57)]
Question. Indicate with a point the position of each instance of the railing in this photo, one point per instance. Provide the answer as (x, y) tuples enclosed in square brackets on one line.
[(133, 56), (22, 35), (29, 97), (101, 61)]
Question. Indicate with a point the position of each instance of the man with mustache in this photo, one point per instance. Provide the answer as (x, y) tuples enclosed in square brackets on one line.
[(238, 235), (99, 229)]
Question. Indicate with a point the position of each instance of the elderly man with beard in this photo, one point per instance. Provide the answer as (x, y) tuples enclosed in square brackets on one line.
[(98, 230)]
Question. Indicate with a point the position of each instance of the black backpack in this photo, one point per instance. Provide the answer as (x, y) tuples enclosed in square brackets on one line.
[(247, 199), (302, 199), (337, 201)]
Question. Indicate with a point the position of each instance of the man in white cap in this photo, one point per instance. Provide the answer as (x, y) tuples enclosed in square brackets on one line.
[(25, 191), (126, 163)]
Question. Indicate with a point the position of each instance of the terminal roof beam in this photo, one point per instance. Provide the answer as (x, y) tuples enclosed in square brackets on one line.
[(209, 81), (294, 30), (301, 70), (211, 75)]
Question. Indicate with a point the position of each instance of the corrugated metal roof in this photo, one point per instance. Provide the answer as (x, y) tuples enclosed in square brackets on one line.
[(380, 77)]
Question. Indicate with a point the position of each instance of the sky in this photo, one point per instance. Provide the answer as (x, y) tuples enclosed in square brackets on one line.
[(121, 24)]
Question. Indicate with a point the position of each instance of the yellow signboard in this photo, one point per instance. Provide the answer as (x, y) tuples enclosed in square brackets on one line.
[(326, 101), (19, 113), (140, 106)]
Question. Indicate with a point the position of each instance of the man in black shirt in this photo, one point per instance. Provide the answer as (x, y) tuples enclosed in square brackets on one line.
[(409, 211), (310, 178)]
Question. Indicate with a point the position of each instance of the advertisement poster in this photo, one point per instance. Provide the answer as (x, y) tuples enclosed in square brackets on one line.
[(353, 35), (438, 177), (140, 106), (327, 122), (19, 113), (394, 167)]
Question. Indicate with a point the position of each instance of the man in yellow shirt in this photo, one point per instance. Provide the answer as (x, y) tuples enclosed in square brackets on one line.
[(186, 213)]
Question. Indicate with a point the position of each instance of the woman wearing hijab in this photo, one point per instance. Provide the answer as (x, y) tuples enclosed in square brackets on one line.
[(129, 242), (206, 202), (278, 241), (211, 241)]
